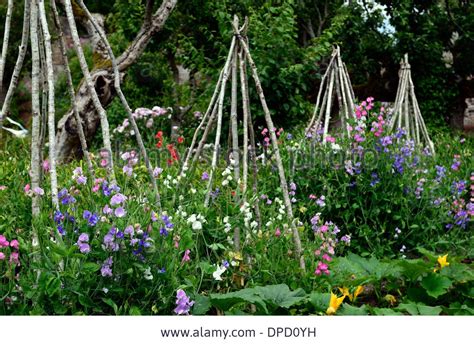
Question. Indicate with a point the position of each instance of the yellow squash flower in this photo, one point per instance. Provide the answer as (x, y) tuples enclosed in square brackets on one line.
[(334, 303), (443, 261), (357, 292), (345, 292)]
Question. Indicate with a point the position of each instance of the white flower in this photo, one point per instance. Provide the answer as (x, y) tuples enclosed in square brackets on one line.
[(147, 274), (197, 225), (192, 218), (226, 220), (217, 274), (225, 183)]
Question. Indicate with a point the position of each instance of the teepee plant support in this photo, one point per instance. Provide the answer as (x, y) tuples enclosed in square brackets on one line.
[(335, 84), (406, 112), (235, 70)]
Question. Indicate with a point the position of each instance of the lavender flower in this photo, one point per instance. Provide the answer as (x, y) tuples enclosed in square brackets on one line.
[(183, 303), (106, 269), (117, 199), (375, 179), (205, 176), (83, 243), (120, 212)]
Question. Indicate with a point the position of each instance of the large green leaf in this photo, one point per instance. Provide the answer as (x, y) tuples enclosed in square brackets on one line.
[(202, 305), (385, 311), (436, 285), (320, 301), (227, 301), (280, 295), (347, 309), (419, 309)]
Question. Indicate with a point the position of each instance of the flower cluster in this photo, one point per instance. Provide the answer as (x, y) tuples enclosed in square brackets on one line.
[(326, 235), (83, 243), (132, 160), (148, 115), (14, 248)]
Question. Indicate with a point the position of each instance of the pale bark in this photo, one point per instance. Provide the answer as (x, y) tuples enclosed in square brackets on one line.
[(35, 170), (125, 104), (219, 121), (19, 63), (51, 106), (72, 93), (233, 112), (6, 38), (104, 123)]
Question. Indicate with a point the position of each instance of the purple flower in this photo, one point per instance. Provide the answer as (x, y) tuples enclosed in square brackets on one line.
[(458, 187), (109, 241), (440, 173), (81, 180), (58, 217), (183, 303), (293, 186), (106, 269), (375, 179), (117, 199), (129, 230), (346, 239), (92, 219), (107, 210), (385, 141), (83, 243), (120, 212), (205, 176), (127, 170)]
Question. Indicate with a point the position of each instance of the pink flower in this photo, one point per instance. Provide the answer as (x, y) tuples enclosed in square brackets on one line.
[(3, 241), (14, 258), (96, 188), (330, 139), (3, 188), (14, 244), (46, 166), (186, 257), (277, 232), (324, 228), (27, 188), (327, 258)]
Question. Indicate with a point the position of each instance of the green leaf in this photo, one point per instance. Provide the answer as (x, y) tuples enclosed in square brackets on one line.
[(320, 301), (90, 267), (202, 305), (420, 309), (280, 295), (134, 311), (227, 301), (347, 309), (436, 285), (112, 304), (385, 311)]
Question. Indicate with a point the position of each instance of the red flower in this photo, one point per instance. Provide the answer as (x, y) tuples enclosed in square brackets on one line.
[(159, 144), (159, 135), (180, 140)]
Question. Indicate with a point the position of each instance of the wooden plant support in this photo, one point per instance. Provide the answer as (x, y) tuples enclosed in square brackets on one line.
[(235, 70), (406, 113), (335, 82)]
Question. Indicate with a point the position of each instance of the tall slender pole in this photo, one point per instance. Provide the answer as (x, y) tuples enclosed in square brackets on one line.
[(6, 37), (51, 106), (104, 123)]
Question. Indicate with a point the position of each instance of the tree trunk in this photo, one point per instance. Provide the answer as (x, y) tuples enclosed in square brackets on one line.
[(102, 79), (6, 37)]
